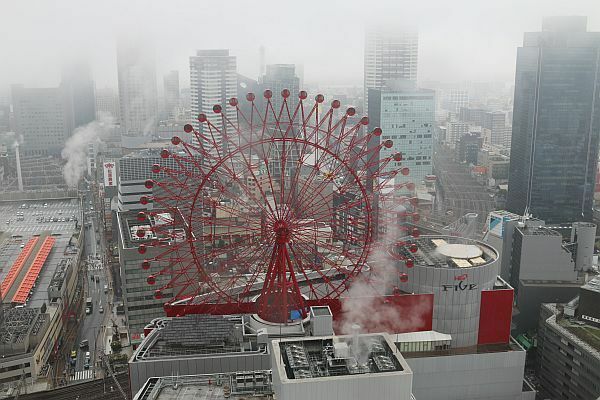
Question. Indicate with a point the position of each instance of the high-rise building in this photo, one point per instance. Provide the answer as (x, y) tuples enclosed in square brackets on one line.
[(556, 122), (455, 130), (137, 88), (171, 82), (79, 89), (279, 77), (390, 54), (406, 116), (455, 99), (213, 81), (494, 127), (568, 349), (107, 103), (43, 119)]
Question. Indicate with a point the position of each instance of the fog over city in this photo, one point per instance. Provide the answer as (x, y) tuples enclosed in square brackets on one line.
[(300, 199), (458, 40)]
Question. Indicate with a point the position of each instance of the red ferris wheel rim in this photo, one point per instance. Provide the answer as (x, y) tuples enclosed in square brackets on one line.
[(284, 239)]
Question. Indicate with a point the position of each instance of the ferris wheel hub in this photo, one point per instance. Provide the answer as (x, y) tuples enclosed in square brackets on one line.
[(282, 231)]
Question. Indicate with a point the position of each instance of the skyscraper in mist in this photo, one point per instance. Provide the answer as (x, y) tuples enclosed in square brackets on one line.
[(390, 53), (171, 87), (107, 103), (279, 77), (137, 87), (43, 119), (79, 87), (213, 80), (556, 122)]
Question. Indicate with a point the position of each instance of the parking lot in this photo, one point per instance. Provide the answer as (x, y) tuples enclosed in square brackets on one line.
[(32, 217)]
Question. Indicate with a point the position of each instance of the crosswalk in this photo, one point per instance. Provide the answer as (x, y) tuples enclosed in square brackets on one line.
[(95, 267), (84, 375)]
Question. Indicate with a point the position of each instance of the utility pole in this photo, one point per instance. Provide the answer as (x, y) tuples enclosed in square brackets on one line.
[(104, 358)]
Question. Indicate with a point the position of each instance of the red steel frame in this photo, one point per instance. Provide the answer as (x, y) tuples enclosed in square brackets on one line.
[(261, 201), (36, 267), (17, 266)]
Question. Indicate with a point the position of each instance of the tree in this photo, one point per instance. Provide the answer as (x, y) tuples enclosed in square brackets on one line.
[(116, 346)]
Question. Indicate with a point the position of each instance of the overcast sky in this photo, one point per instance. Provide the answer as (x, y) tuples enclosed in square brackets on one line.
[(459, 40)]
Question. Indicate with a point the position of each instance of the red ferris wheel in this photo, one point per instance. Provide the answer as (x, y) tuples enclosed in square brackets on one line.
[(270, 210)]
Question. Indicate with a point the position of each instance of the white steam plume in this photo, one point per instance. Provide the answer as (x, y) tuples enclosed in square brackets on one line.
[(360, 304), (76, 148)]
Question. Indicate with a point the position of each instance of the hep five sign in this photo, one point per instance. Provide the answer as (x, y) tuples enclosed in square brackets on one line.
[(460, 284), (109, 174)]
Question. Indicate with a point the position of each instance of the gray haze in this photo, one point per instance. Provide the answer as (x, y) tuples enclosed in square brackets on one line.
[(459, 40)]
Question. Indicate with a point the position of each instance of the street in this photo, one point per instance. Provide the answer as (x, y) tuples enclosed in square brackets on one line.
[(92, 326)]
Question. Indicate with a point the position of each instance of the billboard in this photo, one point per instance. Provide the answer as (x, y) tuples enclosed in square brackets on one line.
[(110, 178)]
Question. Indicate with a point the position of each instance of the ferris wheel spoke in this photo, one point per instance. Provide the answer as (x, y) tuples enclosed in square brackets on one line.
[(326, 287)]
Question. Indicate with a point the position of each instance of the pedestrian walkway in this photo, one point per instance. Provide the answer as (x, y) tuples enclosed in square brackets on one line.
[(84, 375)]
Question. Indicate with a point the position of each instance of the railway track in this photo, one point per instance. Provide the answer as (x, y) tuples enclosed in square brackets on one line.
[(99, 389)]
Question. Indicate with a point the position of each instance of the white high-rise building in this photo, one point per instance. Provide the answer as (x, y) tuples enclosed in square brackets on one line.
[(390, 54), (137, 88), (213, 80)]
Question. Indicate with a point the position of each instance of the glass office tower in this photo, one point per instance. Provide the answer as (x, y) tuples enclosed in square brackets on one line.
[(556, 122)]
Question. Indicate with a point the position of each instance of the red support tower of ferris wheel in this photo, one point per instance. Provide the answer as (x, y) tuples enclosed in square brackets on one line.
[(270, 212)]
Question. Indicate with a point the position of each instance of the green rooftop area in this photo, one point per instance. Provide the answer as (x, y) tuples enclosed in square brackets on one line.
[(588, 334)]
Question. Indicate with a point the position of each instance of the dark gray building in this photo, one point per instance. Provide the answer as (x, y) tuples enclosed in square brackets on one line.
[(569, 347), (556, 122)]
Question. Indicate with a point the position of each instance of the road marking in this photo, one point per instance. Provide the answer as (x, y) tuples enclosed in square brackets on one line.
[(82, 375)]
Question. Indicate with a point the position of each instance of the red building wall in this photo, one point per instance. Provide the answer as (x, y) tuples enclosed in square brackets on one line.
[(495, 316)]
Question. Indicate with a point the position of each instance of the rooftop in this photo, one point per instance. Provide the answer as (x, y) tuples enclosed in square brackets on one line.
[(445, 252), (577, 331), (194, 335), (130, 225), (593, 285), (236, 386), (312, 358)]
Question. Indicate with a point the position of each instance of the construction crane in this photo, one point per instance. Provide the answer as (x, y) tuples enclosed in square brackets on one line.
[(104, 359)]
